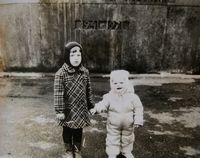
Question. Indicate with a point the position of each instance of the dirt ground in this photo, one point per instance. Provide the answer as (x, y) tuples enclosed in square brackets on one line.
[(171, 111)]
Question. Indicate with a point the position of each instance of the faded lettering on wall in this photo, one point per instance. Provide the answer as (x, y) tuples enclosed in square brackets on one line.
[(102, 24)]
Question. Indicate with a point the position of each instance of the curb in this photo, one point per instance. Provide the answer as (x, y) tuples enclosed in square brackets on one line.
[(96, 75)]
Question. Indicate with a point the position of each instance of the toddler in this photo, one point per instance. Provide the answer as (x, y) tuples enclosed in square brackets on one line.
[(125, 112)]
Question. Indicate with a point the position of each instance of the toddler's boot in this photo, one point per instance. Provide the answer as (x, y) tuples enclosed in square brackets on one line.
[(77, 150), (128, 155), (112, 156), (68, 151)]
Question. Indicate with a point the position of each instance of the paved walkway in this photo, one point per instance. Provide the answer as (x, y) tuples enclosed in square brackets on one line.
[(172, 117)]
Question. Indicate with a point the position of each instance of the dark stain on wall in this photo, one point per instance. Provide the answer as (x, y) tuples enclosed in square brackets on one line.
[(182, 40), (192, 25)]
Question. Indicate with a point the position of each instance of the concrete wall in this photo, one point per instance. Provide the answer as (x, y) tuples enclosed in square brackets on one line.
[(138, 35)]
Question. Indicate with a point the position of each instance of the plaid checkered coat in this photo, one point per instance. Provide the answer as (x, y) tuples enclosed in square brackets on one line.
[(72, 96)]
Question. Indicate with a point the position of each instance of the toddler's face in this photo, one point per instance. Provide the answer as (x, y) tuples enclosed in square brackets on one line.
[(75, 56), (119, 84)]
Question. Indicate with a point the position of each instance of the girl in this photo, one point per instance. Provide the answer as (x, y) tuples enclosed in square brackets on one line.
[(72, 99)]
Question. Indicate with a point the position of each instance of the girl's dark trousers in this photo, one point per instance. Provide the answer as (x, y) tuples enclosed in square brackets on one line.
[(72, 137)]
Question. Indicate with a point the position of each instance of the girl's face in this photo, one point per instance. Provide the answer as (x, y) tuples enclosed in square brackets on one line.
[(75, 56)]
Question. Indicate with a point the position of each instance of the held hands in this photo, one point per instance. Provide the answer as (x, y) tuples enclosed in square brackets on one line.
[(93, 111), (60, 116), (136, 125)]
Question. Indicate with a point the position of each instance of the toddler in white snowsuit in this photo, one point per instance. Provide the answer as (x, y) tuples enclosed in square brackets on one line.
[(125, 111)]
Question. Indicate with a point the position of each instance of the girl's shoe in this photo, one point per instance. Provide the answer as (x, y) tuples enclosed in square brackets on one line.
[(78, 154), (69, 151), (77, 150), (68, 154)]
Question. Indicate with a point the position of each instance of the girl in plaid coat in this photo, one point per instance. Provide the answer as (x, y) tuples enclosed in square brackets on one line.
[(72, 99)]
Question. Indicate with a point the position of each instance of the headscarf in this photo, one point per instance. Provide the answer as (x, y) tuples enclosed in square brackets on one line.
[(68, 47)]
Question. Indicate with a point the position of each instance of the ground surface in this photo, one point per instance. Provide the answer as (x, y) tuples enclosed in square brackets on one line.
[(172, 119)]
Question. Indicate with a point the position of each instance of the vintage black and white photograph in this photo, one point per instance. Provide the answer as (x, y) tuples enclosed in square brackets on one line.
[(99, 78)]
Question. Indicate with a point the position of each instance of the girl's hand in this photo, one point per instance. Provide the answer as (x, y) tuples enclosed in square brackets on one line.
[(93, 111), (136, 125), (60, 116)]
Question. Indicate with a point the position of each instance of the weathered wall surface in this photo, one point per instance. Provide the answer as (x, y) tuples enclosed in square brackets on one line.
[(138, 35), (31, 36)]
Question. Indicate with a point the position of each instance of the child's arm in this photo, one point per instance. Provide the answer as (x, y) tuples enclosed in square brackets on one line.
[(90, 101), (59, 96), (101, 106), (138, 118)]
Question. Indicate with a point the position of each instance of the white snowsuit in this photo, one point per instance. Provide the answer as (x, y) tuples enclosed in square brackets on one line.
[(123, 112)]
